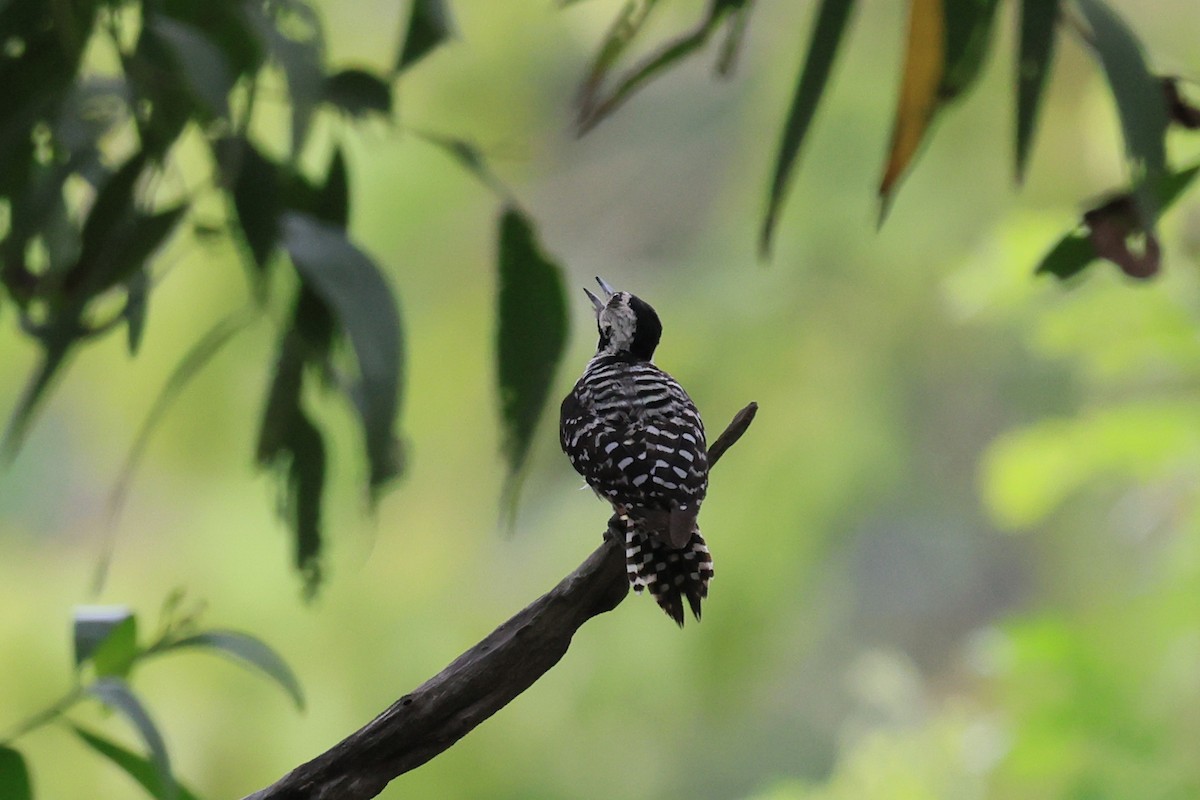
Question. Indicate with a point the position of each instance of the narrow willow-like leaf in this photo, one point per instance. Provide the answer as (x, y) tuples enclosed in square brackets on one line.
[(1141, 104), (924, 62), (1038, 20), (822, 49), (116, 694), (137, 767), (968, 32), (353, 287), (531, 334), (247, 650)]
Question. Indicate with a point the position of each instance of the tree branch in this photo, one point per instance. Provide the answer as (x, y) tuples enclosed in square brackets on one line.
[(478, 683)]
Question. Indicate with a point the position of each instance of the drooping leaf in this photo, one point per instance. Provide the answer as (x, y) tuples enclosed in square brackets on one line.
[(1038, 20), (116, 694), (332, 203), (295, 40), (200, 65), (290, 442), (594, 107), (469, 157), (14, 776), (114, 203), (531, 334), (924, 62), (137, 296), (625, 27), (1141, 105), (358, 93), (1077, 249), (428, 26), (257, 196), (356, 291), (233, 27), (823, 45), (251, 651), (93, 625), (968, 25), (140, 768)]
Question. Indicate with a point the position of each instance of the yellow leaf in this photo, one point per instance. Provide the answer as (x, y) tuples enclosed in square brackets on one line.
[(923, 65)]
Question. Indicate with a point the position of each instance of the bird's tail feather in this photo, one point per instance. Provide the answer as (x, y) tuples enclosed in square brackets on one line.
[(671, 575)]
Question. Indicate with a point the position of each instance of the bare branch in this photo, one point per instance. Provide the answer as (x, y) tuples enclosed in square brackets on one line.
[(478, 683)]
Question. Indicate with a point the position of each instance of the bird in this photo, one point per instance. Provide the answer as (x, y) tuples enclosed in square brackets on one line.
[(637, 439)]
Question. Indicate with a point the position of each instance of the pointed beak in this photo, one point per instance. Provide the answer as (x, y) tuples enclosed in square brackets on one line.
[(597, 303)]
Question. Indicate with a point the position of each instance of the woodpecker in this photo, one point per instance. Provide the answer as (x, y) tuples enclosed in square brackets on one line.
[(637, 439)]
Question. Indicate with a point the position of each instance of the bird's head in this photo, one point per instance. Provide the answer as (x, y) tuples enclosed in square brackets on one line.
[(627, 324)]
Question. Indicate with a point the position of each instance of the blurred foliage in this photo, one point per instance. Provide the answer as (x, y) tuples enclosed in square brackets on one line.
[(959, 558)]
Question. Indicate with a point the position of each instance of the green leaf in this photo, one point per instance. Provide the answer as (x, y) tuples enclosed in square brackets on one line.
[(968, 30), (200, 65), (823, 46), (14, 776), (135, 766), (301, 54), (249, 650), (531, 334), (93, 625), (1074, 251), (429, 25), (358, 93), (115, 655), (628, 23), (137, 296), (354, 288), (332, 203), (114, 203), (230, 26), (289, 441), (116, 694), (1038, 20), (257, 195), (1141, 104)]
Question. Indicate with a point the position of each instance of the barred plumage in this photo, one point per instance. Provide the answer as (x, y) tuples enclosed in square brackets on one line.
[(636, 437)]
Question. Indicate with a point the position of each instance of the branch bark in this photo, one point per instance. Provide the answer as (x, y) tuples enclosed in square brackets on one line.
[(477, 684)]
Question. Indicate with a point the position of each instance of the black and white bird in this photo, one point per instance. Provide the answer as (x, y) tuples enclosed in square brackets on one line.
[(637, 439)]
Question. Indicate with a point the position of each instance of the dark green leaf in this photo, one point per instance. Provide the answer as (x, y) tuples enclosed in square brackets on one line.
[(199, 64), (296, 41), (1069, 257), (57, 343), (353, 287), (823, 46), (531, 333), (137, 296), (116, 694), (231, 26), (14, 776), (93, 625), (968, 31), (135, 766), (468, 157), (114, 204), (115, 655), (358, 93), (251, 651), (1138, 95), (428, 26), (1038, 20), (1075, 251), (332, 203), (256, 196)]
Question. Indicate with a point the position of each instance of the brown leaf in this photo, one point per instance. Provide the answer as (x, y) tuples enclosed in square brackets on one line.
[(924, 63), (1179, 110), (1117, 234)]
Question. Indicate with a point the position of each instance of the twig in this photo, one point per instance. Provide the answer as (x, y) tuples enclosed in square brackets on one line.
[(478, 683)]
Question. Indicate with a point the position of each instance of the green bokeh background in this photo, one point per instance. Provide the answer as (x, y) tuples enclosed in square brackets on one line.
[(957, 555)]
